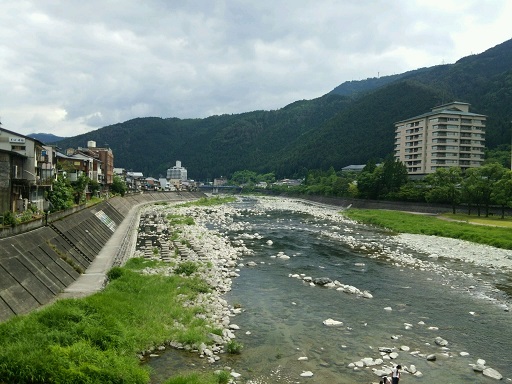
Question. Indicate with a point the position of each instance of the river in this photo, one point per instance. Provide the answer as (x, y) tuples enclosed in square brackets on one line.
[(282, 320)]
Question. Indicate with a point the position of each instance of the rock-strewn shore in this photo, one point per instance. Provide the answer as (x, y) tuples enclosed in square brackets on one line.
[(217, 260), (222, 258), (462, 250)]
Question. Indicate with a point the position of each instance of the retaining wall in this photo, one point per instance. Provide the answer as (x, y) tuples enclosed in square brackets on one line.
[(35, 266)]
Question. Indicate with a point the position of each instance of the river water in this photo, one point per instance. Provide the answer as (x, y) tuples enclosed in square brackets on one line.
[(282, 318)]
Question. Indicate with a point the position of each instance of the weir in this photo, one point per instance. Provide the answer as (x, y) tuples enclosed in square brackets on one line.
[(37, 266)]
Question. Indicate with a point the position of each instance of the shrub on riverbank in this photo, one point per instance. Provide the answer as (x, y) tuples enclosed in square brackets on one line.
[(429, 225), (97, 339)]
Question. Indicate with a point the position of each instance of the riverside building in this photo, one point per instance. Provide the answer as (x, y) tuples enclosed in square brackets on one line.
[(448, 136)]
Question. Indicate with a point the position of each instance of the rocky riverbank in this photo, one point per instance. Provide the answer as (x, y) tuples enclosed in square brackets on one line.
[(223, 257)]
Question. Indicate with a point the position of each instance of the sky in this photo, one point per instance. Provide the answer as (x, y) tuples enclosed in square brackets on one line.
[(69, 67)]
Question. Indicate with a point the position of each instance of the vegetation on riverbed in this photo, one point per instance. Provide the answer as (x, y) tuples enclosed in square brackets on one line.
[(500, 237), (97, 339), (220, 377)]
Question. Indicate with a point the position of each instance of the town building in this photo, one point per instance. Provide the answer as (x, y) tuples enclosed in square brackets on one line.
[(74, 164), (106, 158), (177, 172), (27, 169), (448, 136), (134, 181)]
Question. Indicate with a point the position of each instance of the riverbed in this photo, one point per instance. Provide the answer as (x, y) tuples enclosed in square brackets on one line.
[(418, 289)]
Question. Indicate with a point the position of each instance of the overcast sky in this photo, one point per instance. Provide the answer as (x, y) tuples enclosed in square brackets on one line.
[(68, 67)]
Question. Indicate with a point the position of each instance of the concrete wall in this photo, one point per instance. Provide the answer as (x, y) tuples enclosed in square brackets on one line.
[(35, 266)]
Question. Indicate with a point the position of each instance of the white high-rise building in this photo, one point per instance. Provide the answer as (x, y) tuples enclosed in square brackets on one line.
[(177, 172), (449, 136)]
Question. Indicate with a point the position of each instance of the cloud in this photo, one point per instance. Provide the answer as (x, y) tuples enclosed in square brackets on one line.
[(72, 67)]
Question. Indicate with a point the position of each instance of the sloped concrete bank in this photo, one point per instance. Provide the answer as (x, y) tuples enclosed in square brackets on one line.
[(69, 257)]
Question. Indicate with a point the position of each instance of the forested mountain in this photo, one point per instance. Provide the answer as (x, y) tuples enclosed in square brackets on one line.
[(47, 138), (350, 125)]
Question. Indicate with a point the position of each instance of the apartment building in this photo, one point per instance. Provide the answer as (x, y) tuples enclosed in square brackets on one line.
[(27, 169), (448, 136), (103, 170), (177, 173)]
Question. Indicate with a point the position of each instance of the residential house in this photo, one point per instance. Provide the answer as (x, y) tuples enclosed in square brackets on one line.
[(27, 168)]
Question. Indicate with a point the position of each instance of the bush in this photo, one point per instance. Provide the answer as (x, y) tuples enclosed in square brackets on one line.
[(187, 268), (9, 219), (115, 273), (234, 347)]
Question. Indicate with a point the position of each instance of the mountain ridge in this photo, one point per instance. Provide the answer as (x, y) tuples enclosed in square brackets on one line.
[(352, 125)]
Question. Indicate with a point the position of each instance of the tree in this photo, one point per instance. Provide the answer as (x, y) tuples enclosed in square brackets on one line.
[(61, 195), (79, 187), (489, 175), (118, 186), (502, 192), (383, 181), (472, 187), (94, 187), (412, 191), (393, 176), (445, 186), (244, 177)]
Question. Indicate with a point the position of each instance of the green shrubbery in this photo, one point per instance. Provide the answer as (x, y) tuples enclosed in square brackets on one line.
[(9, 219), (187, 268), (219, 377), (234, 348), (96, 339), (180, 220)]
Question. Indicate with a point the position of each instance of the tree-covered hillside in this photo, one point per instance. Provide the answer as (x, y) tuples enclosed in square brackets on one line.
[(347, 126), (215, 146)]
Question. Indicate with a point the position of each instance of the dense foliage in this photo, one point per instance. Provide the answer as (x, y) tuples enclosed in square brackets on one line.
[(351, 125), (118, 186), (477, 189), (65, 193)]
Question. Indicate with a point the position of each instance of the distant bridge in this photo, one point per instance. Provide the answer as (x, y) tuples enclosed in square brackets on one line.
[(215, 189)]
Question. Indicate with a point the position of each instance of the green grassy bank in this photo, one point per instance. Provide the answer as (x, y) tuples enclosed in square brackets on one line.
[(403, 222), (99, 339), (102, 338)]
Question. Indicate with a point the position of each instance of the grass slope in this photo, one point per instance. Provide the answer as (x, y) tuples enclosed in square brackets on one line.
[(500, 237), (97, 339)]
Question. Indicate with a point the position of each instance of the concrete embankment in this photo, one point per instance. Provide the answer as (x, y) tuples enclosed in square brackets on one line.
[(69, 257)]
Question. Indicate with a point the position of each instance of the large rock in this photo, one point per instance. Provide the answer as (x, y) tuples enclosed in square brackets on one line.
[(322, 280), (492, 373), (333, 323)]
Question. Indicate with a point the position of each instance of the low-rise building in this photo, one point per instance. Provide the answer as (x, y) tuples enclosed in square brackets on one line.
[(27, 169)]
